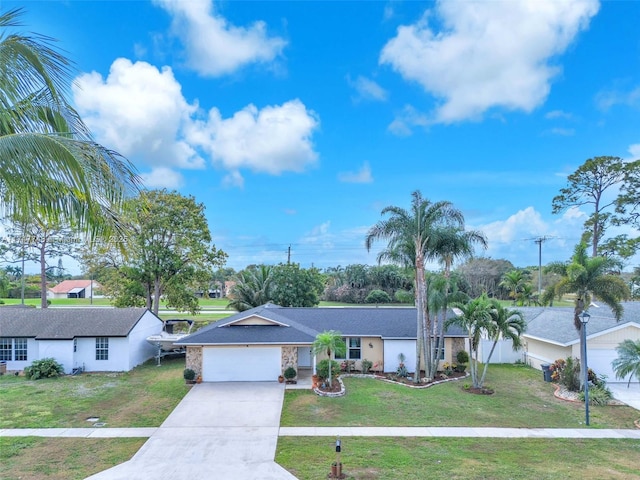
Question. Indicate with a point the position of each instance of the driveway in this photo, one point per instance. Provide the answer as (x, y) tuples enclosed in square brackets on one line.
[(630, 396), (219, 430)]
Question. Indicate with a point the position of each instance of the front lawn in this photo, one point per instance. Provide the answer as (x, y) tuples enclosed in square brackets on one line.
[(143, 397), (521, 399), (62, 458), (309, 458)]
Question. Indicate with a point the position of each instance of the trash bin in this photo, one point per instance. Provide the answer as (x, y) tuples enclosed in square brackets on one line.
[(3, 367), (546, 372)]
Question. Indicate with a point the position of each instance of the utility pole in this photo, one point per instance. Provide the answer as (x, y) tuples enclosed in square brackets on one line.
[(289, 255), (540, 241)]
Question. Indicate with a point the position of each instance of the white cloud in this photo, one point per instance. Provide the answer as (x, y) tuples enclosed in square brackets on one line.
[(162, 177), (607, 99), (554, 114), (139, 111), (487, 54), (563, 132), (407, 120), (233, 179), (272, 140), (361, 176), (367, 89), (634, 150), (214, 47)]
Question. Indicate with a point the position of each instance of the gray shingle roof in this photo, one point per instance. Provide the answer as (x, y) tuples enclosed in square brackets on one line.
[(556, 323), (67, 323), (303, 324)]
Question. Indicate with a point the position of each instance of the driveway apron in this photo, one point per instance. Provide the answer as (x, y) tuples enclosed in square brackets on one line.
[(219, 430)]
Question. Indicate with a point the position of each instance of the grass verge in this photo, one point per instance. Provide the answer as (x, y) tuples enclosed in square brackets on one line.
[(461, 458), (142, 397), (521, 400), (31, 458)]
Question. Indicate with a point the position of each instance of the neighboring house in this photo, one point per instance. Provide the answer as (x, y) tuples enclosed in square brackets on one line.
[(551, 335), (94, 339), (74, 289), (259, 344)]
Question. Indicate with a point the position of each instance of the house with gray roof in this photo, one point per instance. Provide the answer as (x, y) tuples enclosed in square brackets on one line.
[(91, 339), (551, 335), (259, 344)]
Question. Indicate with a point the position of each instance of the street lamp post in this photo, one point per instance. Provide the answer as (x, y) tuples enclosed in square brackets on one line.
[(584, 319)]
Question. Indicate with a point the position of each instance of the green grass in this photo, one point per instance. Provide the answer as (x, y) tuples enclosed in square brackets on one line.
[(140, 398), (62, 458), (309, 458), (521, 399)]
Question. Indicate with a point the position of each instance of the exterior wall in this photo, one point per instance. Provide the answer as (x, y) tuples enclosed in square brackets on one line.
[(613, 339), (118, 355), (503, 352), (375, 353), (61, 350), (32, 354), (138, 348), (392, 348), (253, 321), (289, 358), (538, 352), (194, 359)]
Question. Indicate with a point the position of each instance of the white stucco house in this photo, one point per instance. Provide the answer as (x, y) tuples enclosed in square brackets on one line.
[(259, 344), (74, 289), (93, 339)]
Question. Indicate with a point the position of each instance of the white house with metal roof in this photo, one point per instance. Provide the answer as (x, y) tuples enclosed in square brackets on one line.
[(551, 335), (259, 344), (91, 339)]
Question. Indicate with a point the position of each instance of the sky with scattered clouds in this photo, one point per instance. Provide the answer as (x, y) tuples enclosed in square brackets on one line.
[(296, 122)]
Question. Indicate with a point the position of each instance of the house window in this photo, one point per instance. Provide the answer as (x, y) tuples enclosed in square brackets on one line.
[(352, 349), (20, 349), (5, 349), (102, 348), (437, 345), (75, 345)]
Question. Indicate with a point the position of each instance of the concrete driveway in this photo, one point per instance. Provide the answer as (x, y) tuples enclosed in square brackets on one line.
[(219, 430), (630, 396)]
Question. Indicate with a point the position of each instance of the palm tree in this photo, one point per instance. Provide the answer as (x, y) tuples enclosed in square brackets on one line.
[(513, 282), (253, 288), (628, 361), (411, 237), (505, 324), (588, 277), (331, 343), (49, 164)]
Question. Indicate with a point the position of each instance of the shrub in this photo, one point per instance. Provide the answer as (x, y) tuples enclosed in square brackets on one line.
[(598, 395), (323, 369), (566, 373), (462, 356), (43, 368), (402, 369), (378, 296), (366, 365), (189, 374), (403, 296), (290, 373)]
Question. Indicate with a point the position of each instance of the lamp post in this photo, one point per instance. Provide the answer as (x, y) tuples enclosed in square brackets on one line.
[(584, 319)]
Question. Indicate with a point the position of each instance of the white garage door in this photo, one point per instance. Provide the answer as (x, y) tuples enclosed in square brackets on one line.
[(600, 362), (393, 348), (242, 364)]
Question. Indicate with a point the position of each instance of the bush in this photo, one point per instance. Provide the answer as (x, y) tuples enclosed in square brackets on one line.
[(566, 373), (404, 296), (189, 374), (290, 373), (462, 356), (366, 365), (378, 296), (43, 368), (598, 395), (323, 369), (402, 369)]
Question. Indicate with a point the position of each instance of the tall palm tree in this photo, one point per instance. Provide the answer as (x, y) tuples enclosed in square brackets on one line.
[(253, 288), (513, 281), (331, 343), (588, 277), (49, 163), (628, 360), (412, 235)]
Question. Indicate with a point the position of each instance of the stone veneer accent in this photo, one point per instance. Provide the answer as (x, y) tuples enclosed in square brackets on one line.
[(194, 359), (457, 344), (289, 358)]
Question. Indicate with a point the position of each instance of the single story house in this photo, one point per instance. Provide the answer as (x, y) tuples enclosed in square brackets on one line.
[(74, 289), (91, 339), (259, 344), (551, 335)]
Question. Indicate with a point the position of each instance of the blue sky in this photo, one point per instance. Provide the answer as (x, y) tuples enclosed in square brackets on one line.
[(295, 123)]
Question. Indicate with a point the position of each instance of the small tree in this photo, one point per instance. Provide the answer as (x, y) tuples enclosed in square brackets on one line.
[(329, 342), (378, 296)]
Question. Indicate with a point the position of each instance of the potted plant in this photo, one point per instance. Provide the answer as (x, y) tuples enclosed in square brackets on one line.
[(290, 373), (189, 376), (280, 378)]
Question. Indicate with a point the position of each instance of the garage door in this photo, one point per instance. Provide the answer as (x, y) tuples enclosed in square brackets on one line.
[(393, 348), (600, 362), (243, 364)]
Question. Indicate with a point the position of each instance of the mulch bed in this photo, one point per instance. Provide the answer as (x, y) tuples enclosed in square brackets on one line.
[(334, 388)]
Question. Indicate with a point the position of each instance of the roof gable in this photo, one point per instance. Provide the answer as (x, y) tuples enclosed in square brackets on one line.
[(256, 320)]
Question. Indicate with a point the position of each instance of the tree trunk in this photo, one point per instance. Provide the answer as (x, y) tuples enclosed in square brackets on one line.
[(578, 324), (156, 296), (420, 315)]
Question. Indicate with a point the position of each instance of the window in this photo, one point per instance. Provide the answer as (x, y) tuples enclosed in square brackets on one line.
[(437, 345), (20, 349), (353, 349), (102, 348), (5, 349), (75, 345)]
